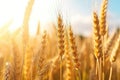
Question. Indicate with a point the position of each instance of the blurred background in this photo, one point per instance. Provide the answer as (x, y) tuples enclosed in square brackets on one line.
[(76, 12)]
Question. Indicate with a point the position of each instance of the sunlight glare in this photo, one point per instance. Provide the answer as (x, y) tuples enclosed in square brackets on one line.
[(43, 11)]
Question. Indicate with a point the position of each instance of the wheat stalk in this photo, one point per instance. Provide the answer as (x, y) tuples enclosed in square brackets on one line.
[(103, 31), (114, 55), (97, 42), (42, 54), (25, 35), (68, 59), (60, 42)]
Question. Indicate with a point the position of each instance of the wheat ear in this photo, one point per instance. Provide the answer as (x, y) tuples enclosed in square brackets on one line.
[(60, 42), (114, 55), (41, 54), (27, 63), (97, 38), (103, 17), (73, 48), (68, 59), (97, 42)]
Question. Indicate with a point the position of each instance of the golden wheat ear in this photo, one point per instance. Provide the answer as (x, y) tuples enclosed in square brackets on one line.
[(60, 34), (97, 44), (73, 48), (96, 36), (27, 62), (67, 58), (114, 54), (110, 43), (103, 15), (116, 50), (73, 51), (41, 53)]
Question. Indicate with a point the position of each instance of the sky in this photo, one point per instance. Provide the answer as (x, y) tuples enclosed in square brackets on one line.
[(76, 12)]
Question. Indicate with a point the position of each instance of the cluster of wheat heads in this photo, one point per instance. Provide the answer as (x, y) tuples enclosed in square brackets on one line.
[(102, 44), (62, 56)]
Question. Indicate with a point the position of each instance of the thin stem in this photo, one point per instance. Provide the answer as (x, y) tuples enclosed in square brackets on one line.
[(61, 68), (99, 69), (103, 73), (78, 75), (96, 67), (100, 72), (110, 76)]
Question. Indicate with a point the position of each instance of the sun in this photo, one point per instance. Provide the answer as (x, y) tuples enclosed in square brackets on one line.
[(43, 11)]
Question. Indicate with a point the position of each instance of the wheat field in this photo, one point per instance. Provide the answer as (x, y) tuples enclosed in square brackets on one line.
[(62, 56)]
